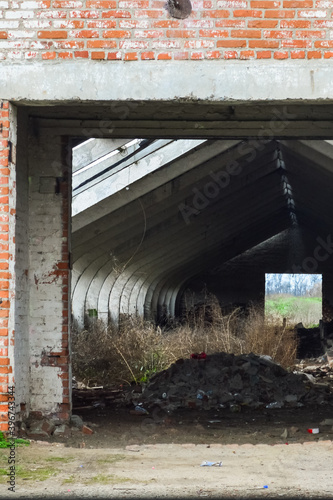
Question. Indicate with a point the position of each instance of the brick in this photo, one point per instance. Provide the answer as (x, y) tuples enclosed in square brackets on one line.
[(101, 24), (280, 14), (216, 13), (3, 35), (66, 4), (247, 54), (166, 24), (197, 55), (214, 33), (116, 34), (101, 44), (277, 34), (112, 56), (116, 13), (85, 34), (132, 4), (65, 55), (98, 55), (231, 43), (230, 54), (295, 24), (83, 54), (323, 24), (264, 44), (52, 34), (62, 24), (6, 369), (180, 56), (324, 44), (311, 14), (86, 430), (328, 55), (247, 13), (85, 14), (245, 33), (213, 54), (147, 55), (263, 24), (101, 4), (310, 34), (166, 56), (182, 33), (297, 4), (230, 23), (69, 44), (314, 54), (152, 14), (148, 34), (264, 4), (280, 55), (299, 44)]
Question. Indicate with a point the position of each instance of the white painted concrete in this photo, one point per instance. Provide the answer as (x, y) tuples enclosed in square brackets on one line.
[(191, 80)]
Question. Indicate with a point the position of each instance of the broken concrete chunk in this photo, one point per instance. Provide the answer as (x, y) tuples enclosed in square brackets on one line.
[(62, 431), (76, 421)]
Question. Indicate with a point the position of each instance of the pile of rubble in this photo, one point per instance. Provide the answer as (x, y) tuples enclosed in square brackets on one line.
[(229, 381)]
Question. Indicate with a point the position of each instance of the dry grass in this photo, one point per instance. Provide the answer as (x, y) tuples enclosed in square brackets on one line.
[(138, 348)]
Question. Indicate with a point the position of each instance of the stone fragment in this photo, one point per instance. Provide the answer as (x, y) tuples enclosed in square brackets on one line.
[(76, 421), (48, 426), (285, 434), (62, 431), (36, 430)]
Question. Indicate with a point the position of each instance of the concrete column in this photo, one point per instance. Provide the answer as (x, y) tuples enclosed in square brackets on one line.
[(49, 275), (327, 291)]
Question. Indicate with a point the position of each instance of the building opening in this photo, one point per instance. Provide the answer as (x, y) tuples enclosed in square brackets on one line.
[(294, 298)]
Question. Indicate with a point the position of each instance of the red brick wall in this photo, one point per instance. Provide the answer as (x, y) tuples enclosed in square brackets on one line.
[(5, 276), (142, 29)]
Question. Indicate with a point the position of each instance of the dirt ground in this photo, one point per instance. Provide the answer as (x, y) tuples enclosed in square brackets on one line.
[(160, 454), (174, 470)]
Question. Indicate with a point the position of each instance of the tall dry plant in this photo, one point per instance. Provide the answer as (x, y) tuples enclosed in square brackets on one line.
[(136, 349)]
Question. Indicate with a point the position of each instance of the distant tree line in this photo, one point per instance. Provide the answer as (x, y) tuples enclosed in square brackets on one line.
[(299, 285)]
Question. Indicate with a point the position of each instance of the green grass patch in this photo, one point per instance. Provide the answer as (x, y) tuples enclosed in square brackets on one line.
[(111, 459), (5, 443), (107, 479), (69, 480), (36, 474), (64, 460), (306, 310), (29, 474)]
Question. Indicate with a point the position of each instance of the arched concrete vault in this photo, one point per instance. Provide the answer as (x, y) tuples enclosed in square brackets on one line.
[(151, 220)]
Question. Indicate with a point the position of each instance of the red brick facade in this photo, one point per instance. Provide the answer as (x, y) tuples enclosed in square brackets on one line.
[(5, 257), (143, 29)]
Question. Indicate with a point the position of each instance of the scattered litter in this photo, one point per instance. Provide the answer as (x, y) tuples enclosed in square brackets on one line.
[(313, 431), (276, 404), (202, 355), (139, 410), (214, 421), (284, 434), (206, 463)]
